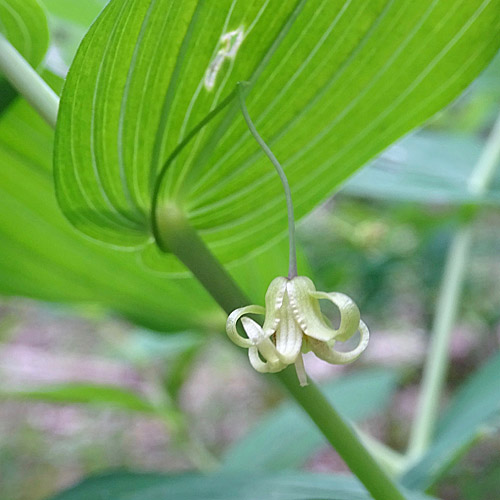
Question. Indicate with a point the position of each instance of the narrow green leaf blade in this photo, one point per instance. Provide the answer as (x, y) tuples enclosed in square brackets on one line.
[(269, 447), (299, 486), (80, 393), (476, 404), (332, 84)]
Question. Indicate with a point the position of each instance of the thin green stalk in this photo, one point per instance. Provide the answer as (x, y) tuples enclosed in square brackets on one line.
[(177, 236), (436, 364), (292, 268), (28, 82)]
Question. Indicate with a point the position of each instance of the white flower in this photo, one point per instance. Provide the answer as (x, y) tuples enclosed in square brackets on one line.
[(294, 324)]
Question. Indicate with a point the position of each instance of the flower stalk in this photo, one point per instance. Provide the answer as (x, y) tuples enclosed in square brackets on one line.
[(175, 235), (292, 267), (294, 323)]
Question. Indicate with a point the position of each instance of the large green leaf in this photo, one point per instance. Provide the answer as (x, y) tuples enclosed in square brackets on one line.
[(476, 405), (269, 447), (332, 83), (128, 486), (42, 256), (24, 24)]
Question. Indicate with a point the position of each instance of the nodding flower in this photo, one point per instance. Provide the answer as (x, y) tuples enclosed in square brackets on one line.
[(294, 324)]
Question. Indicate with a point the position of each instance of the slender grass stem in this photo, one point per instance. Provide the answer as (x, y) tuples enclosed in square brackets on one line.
[(436, 364), (28, 82), (292, 268), (175, 235)]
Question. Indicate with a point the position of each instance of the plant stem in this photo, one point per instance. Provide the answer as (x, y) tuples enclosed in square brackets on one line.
[(177, 236), (436, 364), (28, 82), (437, 360), (292, 268)]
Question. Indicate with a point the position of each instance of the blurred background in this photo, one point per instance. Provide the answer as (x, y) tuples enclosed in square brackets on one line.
[(383, 240)]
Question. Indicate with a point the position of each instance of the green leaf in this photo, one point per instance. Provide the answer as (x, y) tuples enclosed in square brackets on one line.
[(427, 167), (49, 260), (98, 395), (332, 84), (69, 20), (45, 258), (24, 24), (297, 486), (75, 11), (475, 406), (269, 447)]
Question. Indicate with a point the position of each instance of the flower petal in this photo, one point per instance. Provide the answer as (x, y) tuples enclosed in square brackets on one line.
[(306, 309), (274, 301), (288, 334), (253, 330), (264, 366), (326, 353), (264, 345), (349, 313), (232, 320)]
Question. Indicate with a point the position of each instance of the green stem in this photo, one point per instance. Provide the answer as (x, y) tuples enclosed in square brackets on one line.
[(292, 268), (28, 82), (436, 364), (177, 236), (437, 360)]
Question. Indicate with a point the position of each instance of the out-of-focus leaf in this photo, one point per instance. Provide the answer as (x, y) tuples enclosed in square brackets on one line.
[(427, 167), (80, 13), (24, 24), (239, 486), (180, 369), (332, 84), (286, 438), (69, 20), (98, 395), (42, 256), (476, 405), (143, 346)]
